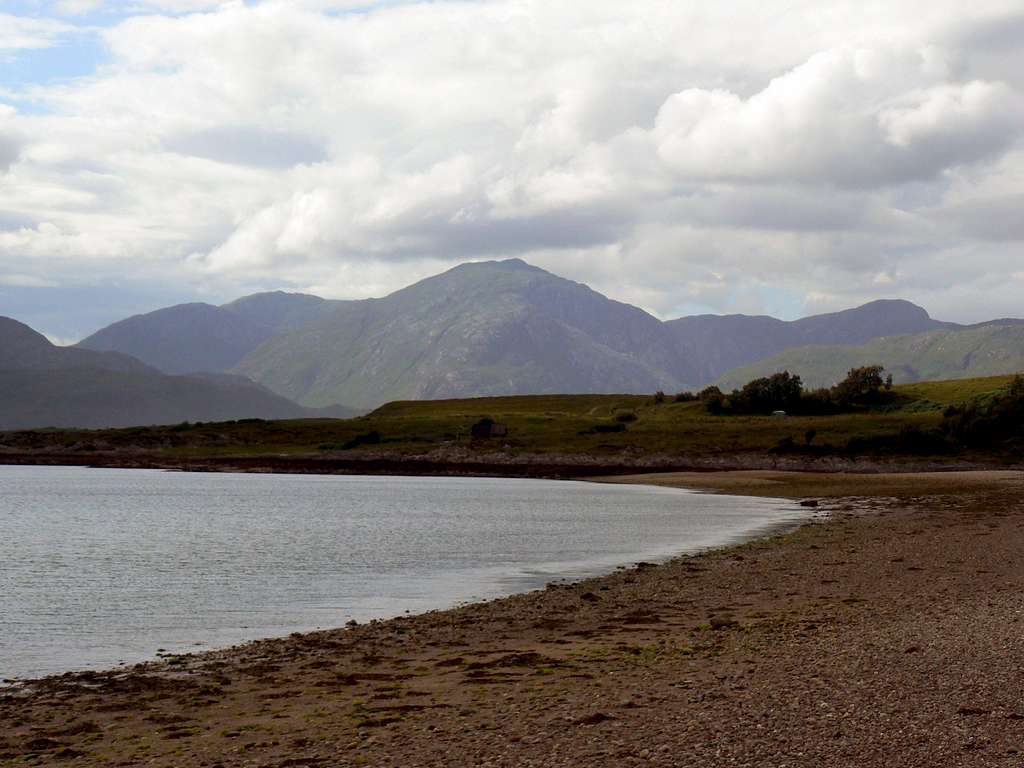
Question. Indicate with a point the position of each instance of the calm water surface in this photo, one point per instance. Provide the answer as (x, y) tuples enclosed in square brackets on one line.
[(103, 566)]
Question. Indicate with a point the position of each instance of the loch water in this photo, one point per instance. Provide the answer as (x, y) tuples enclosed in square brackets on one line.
[(100, 567)]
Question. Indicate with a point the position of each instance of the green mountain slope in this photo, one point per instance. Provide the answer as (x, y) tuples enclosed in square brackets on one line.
[(940, 354), (719, 343), (489, 328)]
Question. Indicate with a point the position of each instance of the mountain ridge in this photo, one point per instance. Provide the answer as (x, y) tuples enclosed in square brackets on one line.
[(477, 329), (196, 336)]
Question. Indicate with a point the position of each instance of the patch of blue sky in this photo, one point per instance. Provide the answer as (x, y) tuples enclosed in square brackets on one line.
[(75, 56), (22, 71)]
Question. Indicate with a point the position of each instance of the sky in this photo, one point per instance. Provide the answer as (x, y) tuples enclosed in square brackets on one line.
[(753, 156)]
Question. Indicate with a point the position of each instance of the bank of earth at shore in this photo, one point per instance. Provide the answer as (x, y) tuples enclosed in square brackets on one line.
[(890, 632)]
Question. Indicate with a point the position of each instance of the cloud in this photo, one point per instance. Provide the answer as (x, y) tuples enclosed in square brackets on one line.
[(10, 142), (247, 145), (702, 156), (852, 117), (76, 7), (26, 32)]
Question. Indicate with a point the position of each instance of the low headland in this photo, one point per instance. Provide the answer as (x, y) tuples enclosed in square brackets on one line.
[(885, 633), (915, 427)]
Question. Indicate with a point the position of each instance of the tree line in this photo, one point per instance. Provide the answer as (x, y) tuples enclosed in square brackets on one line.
[(863, 387)]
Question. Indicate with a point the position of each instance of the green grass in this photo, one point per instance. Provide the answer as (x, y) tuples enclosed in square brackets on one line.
[(957, 391), (541, 424)]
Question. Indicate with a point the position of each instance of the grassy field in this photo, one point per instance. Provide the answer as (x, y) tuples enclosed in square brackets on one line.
[(539, 424)]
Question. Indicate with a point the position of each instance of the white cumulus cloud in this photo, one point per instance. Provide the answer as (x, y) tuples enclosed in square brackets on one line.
[(689, 157)]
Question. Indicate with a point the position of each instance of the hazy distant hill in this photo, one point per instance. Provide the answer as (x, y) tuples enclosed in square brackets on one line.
[(201, 337), (42, 385), (719, 343), (23, 348), (483, 328), (949, 353)]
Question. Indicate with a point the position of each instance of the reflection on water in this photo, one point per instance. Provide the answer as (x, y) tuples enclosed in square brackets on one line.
[(99, 566)]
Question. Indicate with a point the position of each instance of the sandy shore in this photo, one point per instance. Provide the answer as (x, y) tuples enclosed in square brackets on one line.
[(889, 633)]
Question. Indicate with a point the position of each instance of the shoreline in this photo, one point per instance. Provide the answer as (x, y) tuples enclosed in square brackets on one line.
[(462, 462), (583, 571), (662, 659)]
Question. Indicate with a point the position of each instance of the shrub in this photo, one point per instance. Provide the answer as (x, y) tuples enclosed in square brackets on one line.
[(983, 422), (369, 438), (604, 429), (908, 441), (685, 397), (709, 393)]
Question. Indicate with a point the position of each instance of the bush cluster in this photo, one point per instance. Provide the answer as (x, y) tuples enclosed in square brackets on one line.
[(988, 422), (862, 388)]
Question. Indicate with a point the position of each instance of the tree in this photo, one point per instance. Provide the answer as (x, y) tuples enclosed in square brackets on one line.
[(712, 398), (860, 387), (780, 391)]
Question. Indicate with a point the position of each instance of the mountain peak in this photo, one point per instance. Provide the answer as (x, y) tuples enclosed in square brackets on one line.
[(900, 307), (502, 265)]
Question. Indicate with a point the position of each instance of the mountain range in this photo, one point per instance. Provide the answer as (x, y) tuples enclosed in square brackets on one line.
[(482, 328)]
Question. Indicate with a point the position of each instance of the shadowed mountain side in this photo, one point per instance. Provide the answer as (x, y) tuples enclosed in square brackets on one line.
[(42, 385), (948, 353), (92, 398), (719, 343), (201, 337), (480, 329), (23, 348)]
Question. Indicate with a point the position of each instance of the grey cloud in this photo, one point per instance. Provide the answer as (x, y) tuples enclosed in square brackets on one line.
[(553, 230), (12, 220), (1000, 33), (248, 145), (992, 218), (774, 208), (10, 150)]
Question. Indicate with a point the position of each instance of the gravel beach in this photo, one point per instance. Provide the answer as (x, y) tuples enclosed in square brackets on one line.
[(887, 632)]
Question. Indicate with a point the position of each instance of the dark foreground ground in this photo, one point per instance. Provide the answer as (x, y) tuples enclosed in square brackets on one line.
[(888, 633)]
